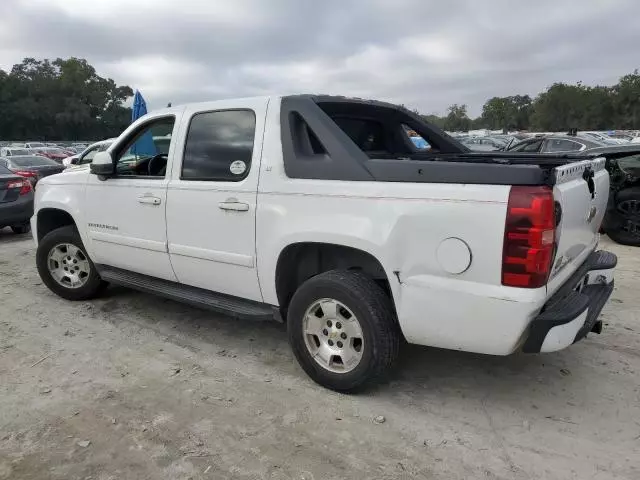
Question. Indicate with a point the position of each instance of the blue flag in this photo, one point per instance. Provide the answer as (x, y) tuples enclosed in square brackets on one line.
[(144, 146)]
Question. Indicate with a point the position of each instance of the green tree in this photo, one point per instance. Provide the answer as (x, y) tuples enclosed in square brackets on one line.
[(457, 118), (626, 101), (60, 99), (507, 113), (435, 120)]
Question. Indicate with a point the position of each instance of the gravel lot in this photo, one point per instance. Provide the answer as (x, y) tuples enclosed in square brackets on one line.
[(135, 387)]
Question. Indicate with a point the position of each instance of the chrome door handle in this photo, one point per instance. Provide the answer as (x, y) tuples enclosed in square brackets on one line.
[(149, 199), (234, 206)]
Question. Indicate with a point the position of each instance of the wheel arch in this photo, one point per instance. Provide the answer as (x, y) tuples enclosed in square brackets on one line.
[(51, 218), (300, 261)]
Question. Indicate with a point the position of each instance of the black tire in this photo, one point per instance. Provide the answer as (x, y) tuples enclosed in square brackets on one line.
[(94, 284), (616, 223), (22, 228), (371, 306)]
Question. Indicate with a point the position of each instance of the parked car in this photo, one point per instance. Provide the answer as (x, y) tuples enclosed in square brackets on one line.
[(554, 144), (598, 137), (321, 211), (34, 145), (16, 201), (13, 151), (87, 155), (484, 143), (53, 153), (622, 219), (32, 167)]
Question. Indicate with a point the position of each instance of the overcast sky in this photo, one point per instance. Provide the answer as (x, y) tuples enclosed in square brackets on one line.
[(426, 54)]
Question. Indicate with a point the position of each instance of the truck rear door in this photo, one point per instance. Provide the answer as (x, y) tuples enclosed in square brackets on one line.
[(211, 205)]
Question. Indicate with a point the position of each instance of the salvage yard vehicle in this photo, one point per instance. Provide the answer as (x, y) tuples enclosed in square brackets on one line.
[(321, 212), (622, 218), (86, 156), (16, 201), (33, 167)]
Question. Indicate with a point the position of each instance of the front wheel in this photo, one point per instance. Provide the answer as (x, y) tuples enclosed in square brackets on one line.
[(65, 267), (342, 330)]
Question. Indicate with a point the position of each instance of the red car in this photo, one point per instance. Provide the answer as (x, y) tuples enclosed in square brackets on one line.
[(56, 154)]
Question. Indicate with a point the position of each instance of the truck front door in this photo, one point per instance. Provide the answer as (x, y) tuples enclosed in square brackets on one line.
[(126, 213), (211, 199)]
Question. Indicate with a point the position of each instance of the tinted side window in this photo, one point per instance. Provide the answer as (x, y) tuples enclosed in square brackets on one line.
[(417, 141), (368, 135), (139, 156), (531, 147), (219, 146), (89, 155), (560, 145)]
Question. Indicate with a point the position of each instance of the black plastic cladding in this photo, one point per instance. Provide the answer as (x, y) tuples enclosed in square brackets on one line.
[(345, 161)]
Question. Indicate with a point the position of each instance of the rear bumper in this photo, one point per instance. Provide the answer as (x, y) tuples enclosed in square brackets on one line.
[(574, 310), (17, 212)]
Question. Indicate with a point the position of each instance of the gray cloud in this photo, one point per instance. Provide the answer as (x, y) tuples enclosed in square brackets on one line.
[(426, 54)]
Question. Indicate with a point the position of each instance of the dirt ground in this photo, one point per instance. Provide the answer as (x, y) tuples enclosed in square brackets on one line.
[(131, 386)]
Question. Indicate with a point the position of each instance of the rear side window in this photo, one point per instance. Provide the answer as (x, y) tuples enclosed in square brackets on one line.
[(531, 147), (561, 145), (368, 135), (219, 146)]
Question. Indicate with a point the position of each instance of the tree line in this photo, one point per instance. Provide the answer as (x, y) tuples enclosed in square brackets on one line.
[(560, 108), (63, 99)]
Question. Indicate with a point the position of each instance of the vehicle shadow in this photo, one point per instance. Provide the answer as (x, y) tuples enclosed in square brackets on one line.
[(7, 236), (421, 371)]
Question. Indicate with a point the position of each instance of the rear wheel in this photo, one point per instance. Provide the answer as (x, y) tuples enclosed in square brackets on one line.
[(624, 224), (342, 330), (22, 228), (65, 267)]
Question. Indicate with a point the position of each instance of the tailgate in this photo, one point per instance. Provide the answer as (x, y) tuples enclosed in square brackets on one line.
[(582, 191)]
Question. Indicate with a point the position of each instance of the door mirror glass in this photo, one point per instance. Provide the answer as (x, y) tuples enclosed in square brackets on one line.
[(102, 164)]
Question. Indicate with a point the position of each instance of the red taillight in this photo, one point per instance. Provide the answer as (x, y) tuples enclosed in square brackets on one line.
[(23, 185), (26, 187), (25, 173), (529, 237)]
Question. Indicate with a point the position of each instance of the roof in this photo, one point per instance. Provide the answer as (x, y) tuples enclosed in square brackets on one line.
[(315, 97), (209, 103)]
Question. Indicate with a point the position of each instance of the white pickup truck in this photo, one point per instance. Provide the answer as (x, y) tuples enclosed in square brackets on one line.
[(320, 211)]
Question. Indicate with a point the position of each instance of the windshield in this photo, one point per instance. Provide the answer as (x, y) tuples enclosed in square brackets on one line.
[(17, 151), (32, 161)]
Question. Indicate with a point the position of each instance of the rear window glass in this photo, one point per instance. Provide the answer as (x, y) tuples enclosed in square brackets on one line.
[(33, 161), (368, 135), (418, 142), (5, 171)]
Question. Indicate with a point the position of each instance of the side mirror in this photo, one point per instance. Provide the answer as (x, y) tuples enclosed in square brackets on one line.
[(102, 165)]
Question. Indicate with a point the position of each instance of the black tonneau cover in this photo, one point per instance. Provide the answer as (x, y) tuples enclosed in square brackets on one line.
[(315, 147)]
